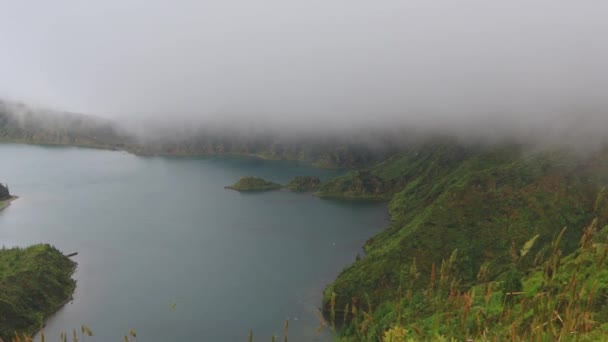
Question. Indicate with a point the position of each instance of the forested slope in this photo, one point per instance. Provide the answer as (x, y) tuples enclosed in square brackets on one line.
[(483, 202)]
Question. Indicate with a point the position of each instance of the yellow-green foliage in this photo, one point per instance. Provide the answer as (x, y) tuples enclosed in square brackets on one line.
[(481, 202), (503, 210), (561, 299)]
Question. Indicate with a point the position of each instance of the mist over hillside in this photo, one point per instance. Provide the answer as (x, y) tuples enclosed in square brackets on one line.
[(473, 70), (326, 146), (21, 123)]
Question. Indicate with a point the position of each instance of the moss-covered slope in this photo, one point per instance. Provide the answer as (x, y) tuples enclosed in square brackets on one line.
[(34, 283)]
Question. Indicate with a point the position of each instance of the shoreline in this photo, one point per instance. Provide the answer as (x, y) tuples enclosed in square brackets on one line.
[(7, 202), (54, 310), (61, 306)]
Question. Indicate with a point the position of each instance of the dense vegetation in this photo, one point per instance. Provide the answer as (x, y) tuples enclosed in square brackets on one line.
[(251, 183), (34, 283), (303, 184), (563, 298), (4, 192), (461, 217)]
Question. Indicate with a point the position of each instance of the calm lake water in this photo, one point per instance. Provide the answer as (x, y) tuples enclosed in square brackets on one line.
[(166, 250)]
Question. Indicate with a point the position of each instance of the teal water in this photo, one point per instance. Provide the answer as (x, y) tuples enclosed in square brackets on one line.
[(152, 232)]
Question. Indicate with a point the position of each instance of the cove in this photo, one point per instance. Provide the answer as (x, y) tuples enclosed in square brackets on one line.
[(164, 249)]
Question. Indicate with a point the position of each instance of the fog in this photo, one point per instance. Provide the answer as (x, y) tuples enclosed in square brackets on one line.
[(470, 68)]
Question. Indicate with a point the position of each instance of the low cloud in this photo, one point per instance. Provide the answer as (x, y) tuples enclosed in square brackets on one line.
[(475, 69)]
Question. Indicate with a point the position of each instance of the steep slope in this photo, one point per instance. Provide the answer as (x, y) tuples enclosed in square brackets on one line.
[(561, 298), (481, 202)]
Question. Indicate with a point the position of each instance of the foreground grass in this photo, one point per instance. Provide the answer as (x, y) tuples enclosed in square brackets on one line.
[(561, 299)]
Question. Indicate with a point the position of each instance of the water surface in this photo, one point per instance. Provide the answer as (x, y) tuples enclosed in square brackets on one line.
[(165, 249)]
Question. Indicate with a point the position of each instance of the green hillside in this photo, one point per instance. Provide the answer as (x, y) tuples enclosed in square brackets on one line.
[(303, 184), (484, 203)]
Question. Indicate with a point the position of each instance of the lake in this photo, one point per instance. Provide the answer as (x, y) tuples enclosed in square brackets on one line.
[(163, 248)]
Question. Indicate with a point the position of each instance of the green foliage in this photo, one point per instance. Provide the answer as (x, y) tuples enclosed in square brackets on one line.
[(303, 183), (512, 286), (250, 183), (4, 193), (481, 202), (34, 283), (570, 306), (502, 208), (387, 178), (356, 185)]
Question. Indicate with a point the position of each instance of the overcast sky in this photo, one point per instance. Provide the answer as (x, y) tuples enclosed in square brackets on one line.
[(429, 62)]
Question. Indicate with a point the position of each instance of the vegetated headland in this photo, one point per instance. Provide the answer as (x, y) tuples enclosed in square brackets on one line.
[(35, 282), (5, 196), (297, 184)]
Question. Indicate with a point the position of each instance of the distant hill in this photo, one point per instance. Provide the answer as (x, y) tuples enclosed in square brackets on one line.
[(4, 192), (23, 124)]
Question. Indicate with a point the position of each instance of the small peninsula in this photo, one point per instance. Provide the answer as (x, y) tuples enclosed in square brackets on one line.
[(251, 183), (5, 196), (303, 184), (297, 184), (35, 282)]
